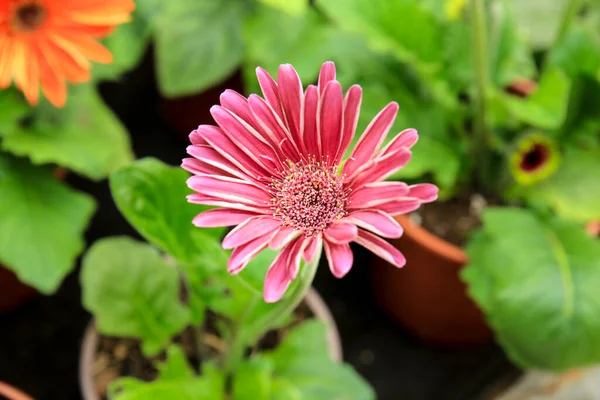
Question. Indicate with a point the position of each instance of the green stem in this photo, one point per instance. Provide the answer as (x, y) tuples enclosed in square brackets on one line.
[(237, 342), (569, 14), (287, 305), (481, 139)]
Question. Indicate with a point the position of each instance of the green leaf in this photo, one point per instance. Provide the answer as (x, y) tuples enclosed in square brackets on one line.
[(416, 40), (578, 53), (176, 366), (12, 108), (132, 291), (209, 386), (85, 136), (37, 210), (274, 38), (573, 191), (511, 57), (253, 380), (127, 45), (545, 108), (302, 359), (152, 196), (292, 7), (198, 44), (537, 282), (539, 20)]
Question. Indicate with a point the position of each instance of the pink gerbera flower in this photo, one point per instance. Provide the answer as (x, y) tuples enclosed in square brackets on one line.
[(274, 166)]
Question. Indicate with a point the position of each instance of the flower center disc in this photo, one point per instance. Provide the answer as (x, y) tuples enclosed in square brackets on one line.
[(534, 158), (28, 17), (309, 196)]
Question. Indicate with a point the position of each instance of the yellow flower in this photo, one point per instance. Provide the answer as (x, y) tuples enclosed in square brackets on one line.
[(535, 158)]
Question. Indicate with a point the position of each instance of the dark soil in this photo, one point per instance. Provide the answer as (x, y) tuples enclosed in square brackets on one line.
[(122, 357), (452, 220)]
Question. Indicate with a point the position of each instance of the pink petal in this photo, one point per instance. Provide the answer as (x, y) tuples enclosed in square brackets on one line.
[(330, 120), (372, 138), (273, 128), (405, 139), (291, 94), (314, 243), (237, 104), (221, 217), (198, 167), (326, 75), (400, 206), (249, 230), (296, 257), (205, 200), (242, 255), (426, 192), (229, 189), (351, 113), (340, 232), (284, 235), (381, 168), (219, 141), (381, 248), (196, 138), (340, 258), (270, 90), (376, 193), (208, 155), (245, 138), (278, 279), (377, 222), (310, 136)]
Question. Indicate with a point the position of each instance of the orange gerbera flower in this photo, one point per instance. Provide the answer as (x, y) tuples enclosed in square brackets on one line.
[(48, 42)]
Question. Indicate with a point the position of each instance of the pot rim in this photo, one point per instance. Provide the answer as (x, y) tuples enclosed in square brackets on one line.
[(12, 393), (313, 300), (431, 241)]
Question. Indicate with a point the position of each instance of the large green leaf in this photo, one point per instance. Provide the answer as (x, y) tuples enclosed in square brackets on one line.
[(209, 386), (176, 366), (511, 57), (132, 291), (12, 108), (546, 107), (416, 40), (152, 196), (127, 45), (198, 44), (293, 7), (253, 380), (537, 282), (302, 360), (539, 20), (41, 223), (578, 53), (85, 136), (274, 38), (574, 190)]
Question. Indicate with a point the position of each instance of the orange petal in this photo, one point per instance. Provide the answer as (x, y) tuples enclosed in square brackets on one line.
[(5, 61), (70, 49), (89, 47), (53, 83)]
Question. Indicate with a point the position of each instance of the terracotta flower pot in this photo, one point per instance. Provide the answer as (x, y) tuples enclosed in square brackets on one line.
[(90, 343), (10, 393), (427, 295)]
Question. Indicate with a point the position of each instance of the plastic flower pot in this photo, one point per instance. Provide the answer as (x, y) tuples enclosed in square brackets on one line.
[(90, 344), (427, 296), (10, 393), (186, 113)]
